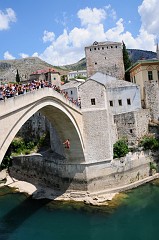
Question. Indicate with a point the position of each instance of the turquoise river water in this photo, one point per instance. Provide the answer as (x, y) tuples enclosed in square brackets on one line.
[(132, 216)]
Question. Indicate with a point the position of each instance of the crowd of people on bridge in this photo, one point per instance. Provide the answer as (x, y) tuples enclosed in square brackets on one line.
[(9, 90)]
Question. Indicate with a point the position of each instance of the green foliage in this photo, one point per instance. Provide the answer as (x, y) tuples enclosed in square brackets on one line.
[(80, 77), (120, 148), (153, 166), (126, 59), (17, 145), (6, 163), (149, 142), (17, 77), (44, 141)]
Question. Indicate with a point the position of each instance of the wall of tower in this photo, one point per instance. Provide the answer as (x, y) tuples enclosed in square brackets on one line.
[(106, 58)]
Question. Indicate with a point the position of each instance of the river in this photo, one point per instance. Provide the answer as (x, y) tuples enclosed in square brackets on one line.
[(133, 215)]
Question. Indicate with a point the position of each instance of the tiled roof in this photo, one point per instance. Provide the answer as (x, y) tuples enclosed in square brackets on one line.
[(44, 71)]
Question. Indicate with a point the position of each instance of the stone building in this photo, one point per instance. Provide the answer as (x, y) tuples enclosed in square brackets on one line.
[(122, 101), (71, 88), (97, 120), (75, 74), (122, 96), (106, 57), (50, 75), (144, 72)]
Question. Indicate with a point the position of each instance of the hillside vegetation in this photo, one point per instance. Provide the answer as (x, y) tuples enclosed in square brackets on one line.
[(25, 66)]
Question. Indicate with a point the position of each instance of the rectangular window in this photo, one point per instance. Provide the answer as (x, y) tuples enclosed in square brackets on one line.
[(128, 101), (95, 63), (134, 79), (120, 102), (111, 103), (150, 76), (71, 92), (93, 102)]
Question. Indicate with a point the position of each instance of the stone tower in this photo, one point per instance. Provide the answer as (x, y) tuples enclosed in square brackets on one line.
[(105, 57)]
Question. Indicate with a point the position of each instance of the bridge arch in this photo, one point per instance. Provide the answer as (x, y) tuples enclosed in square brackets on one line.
[(59, 114)]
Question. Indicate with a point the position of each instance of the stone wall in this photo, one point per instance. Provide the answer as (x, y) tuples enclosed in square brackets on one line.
[(54, 171), (97, 122), (120, 172), (129, 97), (152, 98), (50, 170), (132, 125)]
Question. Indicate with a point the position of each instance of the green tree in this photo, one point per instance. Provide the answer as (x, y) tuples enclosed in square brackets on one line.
[(126, 59), (17, 77), (120, 148)]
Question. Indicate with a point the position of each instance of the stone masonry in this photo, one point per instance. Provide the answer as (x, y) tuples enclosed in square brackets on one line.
[(105, 57)]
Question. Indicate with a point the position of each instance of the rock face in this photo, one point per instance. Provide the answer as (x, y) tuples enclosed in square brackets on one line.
[(25, 66)]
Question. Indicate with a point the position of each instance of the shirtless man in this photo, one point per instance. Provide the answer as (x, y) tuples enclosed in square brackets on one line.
[(67, 143)]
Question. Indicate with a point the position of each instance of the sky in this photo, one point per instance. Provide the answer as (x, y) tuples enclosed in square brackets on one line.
[(58, 31)]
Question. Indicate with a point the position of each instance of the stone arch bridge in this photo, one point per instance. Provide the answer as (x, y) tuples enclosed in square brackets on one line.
[(83, 166)]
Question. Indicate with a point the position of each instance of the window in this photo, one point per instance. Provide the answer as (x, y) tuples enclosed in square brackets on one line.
[(71, 92), (158, 74), (150, 76), (90, 49), (128, 101), (95, 48), (111, 103), (105, 57), (95, 63), (93, 102), (111, 46), (98, 48), (134, 79), (120, 102), (116, 46), (102, 48), (131, 131), (54, 78)]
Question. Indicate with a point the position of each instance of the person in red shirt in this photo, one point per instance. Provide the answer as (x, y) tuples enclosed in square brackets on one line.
[(67, 143)]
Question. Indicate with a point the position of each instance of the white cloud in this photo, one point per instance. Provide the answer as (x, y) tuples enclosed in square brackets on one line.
[(69, 46), (48, 36), (6, 18), (8, 56), (91, 16), (35, 54), (23, 55), (148, 11)]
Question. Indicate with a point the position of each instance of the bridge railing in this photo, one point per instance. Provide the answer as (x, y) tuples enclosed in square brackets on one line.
[(12, 104)]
